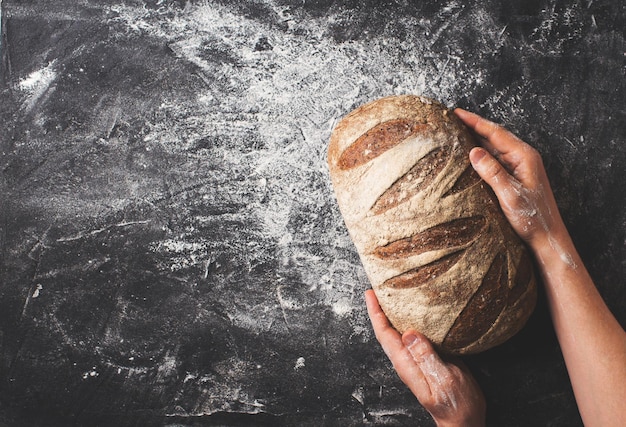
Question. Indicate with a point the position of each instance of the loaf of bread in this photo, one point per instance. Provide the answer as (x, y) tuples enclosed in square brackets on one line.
[(439, 253)]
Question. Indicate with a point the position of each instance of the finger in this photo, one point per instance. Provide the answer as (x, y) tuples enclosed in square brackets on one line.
[(498, 139), (491, 171), (388, 337), (400, 357)]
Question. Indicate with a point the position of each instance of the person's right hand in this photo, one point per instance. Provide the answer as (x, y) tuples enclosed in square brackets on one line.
[(515, 172), (592, 340)]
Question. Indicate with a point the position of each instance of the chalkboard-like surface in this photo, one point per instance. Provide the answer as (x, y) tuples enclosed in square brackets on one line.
[(170, 249)]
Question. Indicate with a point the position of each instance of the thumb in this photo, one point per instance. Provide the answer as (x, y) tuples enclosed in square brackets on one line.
[(435, 371), (490, 170), (418, 345)]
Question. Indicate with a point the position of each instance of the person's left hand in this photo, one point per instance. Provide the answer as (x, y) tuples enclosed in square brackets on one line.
[(446, 389)]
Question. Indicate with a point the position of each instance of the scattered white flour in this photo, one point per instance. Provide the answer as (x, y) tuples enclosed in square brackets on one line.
[(343, 307), (38, 289), (168, 366), (299, 363), (286, 98), (90, 374)]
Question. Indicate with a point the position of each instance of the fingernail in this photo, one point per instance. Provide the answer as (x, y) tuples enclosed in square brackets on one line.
[(460, 110), (416, 345), (410, 340), (414, 342), (476, 155)]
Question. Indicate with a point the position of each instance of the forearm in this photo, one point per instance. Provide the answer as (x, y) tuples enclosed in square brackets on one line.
[(592, 341)]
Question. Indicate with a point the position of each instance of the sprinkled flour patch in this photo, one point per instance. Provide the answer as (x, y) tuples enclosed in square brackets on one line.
[(273, 93), (36, 84)]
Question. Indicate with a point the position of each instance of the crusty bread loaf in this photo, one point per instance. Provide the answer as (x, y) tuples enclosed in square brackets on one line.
[(439, 252)]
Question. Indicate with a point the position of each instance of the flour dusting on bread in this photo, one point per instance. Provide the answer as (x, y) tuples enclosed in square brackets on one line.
[(434, 243)]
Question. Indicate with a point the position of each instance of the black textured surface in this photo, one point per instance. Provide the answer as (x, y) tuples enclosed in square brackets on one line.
[(171, 252)]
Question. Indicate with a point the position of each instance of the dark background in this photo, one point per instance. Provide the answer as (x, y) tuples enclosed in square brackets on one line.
[(170, 248)]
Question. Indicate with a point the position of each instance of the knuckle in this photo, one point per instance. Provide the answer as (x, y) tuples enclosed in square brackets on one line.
[(449, 382), (492, 129), (531, 152), (534, 155), (538, 159), (430, 402), (380, 316)]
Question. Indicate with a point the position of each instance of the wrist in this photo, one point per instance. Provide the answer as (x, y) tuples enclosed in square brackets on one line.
[(554, 247)]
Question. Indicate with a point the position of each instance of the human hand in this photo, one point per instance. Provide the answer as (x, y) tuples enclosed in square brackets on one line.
[(446, 389), (515, 172)]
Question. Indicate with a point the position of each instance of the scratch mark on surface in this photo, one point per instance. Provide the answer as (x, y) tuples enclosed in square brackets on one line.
[(207, 263), (35, 287), (451, 20), (443, 69), (33, 292), (502, 32), (183, 190), (101, 230), (282, 304), (112, 116), (358, 395), (571, 143)]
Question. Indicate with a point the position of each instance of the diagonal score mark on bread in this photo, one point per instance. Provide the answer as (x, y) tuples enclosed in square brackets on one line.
[(483, 308), (418, 177), (457, 232), (377, 140), (422, 275), (466, 180)]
